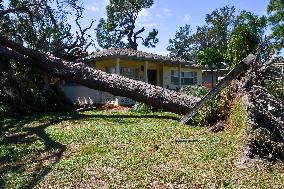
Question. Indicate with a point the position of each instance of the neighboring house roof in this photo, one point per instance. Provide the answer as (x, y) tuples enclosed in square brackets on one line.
[(136, 55), (223, 67)]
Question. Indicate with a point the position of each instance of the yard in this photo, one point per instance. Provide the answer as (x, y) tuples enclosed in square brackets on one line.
[(126, 149)]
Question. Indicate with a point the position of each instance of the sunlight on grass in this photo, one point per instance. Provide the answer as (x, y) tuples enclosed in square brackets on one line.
[(125, 149)]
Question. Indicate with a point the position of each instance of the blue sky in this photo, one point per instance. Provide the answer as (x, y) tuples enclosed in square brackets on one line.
[(168, 15)]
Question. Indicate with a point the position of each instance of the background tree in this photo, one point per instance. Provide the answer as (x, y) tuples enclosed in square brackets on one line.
[(275, 10), (182, 46), (214, 34), (119, 29), (40, 25), (246, 37), (220, 22), (209, 57)]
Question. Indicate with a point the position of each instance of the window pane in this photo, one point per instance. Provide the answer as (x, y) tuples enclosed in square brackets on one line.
[(174, 80), (174, 73), (187, 81), (132, 73), (187, 74)]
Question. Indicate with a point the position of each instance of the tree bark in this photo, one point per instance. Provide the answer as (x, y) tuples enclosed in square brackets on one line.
[(79, 72)]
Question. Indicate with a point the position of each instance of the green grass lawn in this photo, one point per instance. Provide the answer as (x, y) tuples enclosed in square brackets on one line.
[(103, 149)]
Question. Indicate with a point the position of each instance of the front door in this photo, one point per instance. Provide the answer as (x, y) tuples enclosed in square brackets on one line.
[(152, 77)]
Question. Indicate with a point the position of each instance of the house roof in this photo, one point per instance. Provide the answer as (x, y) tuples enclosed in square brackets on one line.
[(136, 55), (223, 67)]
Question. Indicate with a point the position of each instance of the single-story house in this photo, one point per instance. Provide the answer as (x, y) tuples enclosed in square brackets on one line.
[(148, 67)]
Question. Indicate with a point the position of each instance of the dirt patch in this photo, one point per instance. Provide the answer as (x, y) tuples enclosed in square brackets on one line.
[(110, 107), (113, 107)]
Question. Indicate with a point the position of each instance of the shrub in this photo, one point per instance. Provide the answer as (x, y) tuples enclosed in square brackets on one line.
[(195, 90), (142, 108), (211, 112)]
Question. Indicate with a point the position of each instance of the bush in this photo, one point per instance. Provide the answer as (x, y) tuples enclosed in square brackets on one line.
[(142, 108), (198, 91), (210, 113)]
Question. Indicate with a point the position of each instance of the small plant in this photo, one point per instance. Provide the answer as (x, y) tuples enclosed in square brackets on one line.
[(142, 108), (209, 114), (198, 91)]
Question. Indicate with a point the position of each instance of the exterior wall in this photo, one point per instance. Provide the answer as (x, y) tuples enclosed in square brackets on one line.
[(167, 76), (83, 95)]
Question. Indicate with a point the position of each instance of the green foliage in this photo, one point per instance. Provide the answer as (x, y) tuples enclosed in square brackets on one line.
[(210, 113), (142, 108), (198, 91), (209, 57), (215, 34), (229, 38), (41, 25), (119, 26), (243, 42), (275, 11), (246, 36), (182, 45), (276, 88), (220, 22), (22, 91)]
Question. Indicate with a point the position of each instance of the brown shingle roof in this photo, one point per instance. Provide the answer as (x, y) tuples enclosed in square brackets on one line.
[(136, 55)]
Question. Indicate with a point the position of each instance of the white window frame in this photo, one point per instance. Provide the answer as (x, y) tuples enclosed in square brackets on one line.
[(175, 77)]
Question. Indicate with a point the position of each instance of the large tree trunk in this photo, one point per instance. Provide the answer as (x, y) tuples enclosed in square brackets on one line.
[(79, 72)]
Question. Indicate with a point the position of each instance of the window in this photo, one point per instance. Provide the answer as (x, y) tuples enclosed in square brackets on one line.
[(132, 73), (174, 77), (187, 78)]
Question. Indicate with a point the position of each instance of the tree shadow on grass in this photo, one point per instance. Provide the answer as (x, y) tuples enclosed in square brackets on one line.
[(21, 158), (123, 116)]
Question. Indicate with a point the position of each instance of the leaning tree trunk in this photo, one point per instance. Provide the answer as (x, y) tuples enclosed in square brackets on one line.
[(79, 72)]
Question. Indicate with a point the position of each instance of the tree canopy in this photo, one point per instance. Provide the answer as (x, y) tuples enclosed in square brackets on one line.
[(246, 37), (275, 10), (40, 25), (119, 29), (215, 34), (232, 35)]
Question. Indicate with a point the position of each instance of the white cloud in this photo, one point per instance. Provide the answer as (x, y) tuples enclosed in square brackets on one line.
[(145, 19), (167, 12), (142, 14), (93, 8), (187, 17), (150, 24), (159, 15)]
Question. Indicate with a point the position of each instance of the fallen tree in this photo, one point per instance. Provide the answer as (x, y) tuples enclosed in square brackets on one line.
[(79, 72), (265, 112)]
